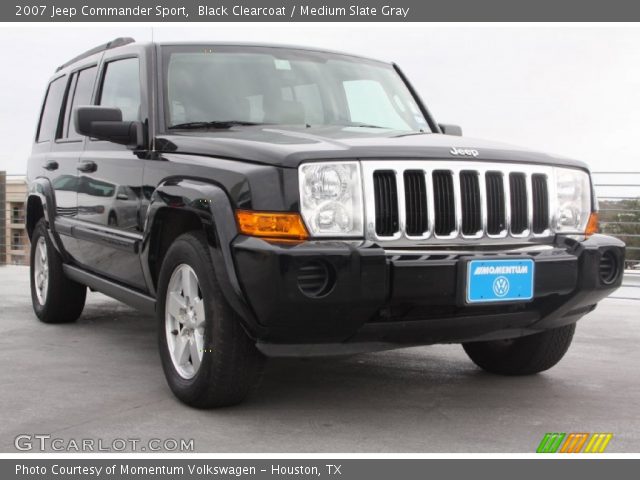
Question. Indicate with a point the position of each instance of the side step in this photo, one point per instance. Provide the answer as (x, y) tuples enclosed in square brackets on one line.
[(137, 300)]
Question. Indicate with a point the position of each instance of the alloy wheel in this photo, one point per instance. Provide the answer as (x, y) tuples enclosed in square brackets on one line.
[(185, 321), (41, 270)]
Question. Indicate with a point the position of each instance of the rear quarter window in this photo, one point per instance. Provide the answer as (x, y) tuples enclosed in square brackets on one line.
[(51, 111)]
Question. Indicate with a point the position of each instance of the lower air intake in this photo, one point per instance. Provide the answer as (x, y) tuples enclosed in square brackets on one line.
[(315, 279)]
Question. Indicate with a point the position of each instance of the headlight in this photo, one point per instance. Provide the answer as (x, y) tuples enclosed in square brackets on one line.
[(331, 199), (573, 200)]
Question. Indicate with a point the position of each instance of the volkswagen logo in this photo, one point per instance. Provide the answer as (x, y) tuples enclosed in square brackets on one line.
[(501, 286)]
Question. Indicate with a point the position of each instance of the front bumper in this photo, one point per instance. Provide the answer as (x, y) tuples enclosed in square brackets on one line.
[(378, 300)]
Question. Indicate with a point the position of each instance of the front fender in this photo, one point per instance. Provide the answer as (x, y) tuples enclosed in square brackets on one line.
[(212, 206)]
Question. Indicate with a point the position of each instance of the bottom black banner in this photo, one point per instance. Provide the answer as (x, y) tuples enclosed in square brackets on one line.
[(371, 469)]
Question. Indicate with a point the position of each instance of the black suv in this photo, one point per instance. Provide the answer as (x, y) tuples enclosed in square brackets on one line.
[(281, 201)]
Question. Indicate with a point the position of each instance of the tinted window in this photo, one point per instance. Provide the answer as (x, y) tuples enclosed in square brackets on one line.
[(286, 87), (51, 110), (121, 88), (81, 96), (369, 103), (68, 101)]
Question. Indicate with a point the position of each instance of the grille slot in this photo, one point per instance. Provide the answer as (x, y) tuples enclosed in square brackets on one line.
[(386, 202), (415, 189), (540, 203), (444, 203), (496, 223), (471, 203), (519, 219), (425, 202)]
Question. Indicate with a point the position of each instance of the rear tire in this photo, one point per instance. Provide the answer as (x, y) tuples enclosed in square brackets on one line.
[(55, 298), (522, 356), (207, 357)]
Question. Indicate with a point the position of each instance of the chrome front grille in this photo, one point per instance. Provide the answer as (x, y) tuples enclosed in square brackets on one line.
[(436, 202)]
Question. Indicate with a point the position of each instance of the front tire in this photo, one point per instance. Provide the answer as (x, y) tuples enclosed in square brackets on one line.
[(522, 356), (207, 357), (55, 298)]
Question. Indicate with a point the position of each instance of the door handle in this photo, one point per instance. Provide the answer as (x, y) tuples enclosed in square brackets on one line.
[(87, 167), (51, 165)]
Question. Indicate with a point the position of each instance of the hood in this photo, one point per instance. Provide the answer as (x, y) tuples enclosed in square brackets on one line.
[(289, 146)]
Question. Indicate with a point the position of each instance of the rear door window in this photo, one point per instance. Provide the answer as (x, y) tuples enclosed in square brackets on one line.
[(50, 118), (81, 95)]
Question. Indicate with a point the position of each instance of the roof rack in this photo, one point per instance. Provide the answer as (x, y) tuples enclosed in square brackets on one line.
[(118, 42)]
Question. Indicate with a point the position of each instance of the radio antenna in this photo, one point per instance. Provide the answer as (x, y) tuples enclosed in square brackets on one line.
[(154, 85)]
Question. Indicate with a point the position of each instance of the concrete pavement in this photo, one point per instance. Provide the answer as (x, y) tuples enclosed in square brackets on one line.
[(101, 378)]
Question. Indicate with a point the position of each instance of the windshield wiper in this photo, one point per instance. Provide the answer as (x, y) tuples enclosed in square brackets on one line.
[(366, 125), (212, 124), (419, 132)]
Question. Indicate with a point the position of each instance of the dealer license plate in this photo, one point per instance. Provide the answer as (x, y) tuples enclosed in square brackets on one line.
[(500, 280)]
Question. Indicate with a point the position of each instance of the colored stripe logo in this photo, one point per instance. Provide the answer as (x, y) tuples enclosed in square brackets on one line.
[(574, 443)]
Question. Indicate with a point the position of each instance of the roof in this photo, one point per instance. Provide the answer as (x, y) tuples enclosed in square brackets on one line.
[(118, 42)]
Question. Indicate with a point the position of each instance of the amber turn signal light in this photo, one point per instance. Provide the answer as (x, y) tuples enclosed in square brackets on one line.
[(592, 224), (274, 225)]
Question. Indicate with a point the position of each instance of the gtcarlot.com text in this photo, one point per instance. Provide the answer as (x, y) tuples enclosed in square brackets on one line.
[(46, 443)]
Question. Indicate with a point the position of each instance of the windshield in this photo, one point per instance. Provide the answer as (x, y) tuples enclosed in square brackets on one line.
[(221, 84)]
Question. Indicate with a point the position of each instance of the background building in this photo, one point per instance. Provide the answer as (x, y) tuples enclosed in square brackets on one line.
[(3, 221), (15, 248)]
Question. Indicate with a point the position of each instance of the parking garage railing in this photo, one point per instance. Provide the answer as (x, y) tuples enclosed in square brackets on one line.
[(619, 204)]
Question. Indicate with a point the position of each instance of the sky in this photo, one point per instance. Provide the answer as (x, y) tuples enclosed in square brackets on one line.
[(573, 91)]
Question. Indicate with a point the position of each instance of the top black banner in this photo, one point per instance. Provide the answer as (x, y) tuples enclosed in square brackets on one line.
[(320, 11)]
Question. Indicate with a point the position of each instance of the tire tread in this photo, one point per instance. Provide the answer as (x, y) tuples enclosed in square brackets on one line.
[(235, 366), (525, 355), (65, 297)]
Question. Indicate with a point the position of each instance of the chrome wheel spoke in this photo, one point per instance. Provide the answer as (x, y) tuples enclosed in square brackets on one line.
[(196, 353), (189, 285), (181, 350), (198, 308), (174, 326), (176, 306)]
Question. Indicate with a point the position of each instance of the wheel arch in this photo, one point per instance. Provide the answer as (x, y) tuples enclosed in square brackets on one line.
[(182, 204), (41, 203), (35, 211)]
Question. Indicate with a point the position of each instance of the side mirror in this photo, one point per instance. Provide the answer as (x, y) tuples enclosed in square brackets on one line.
[(454, 130), (105, 123)]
